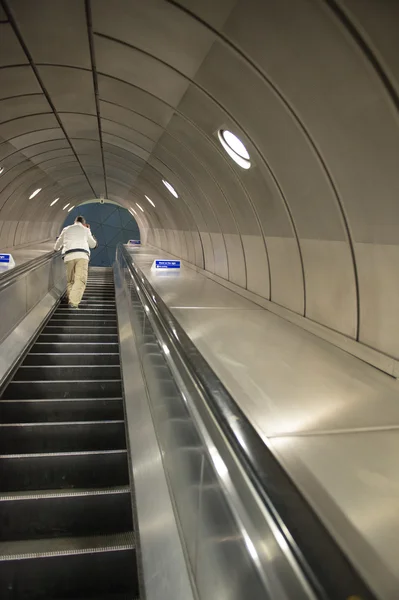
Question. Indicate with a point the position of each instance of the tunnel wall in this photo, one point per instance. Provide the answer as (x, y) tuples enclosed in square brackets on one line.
[(310, 87)]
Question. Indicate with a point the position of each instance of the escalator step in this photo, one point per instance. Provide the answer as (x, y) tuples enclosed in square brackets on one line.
[(73, 359), (57, 321), (75, 347), (19, 390), (77, 329), (63, 470), (51, 513), (67, 372), (61, 410), (68, 568), (32, 438), (81, 338)]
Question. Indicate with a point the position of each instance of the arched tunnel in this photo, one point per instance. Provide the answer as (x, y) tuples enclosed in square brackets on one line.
[(133, 101)]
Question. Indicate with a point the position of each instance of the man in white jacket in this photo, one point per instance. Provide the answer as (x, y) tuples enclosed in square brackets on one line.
[(76, 241)]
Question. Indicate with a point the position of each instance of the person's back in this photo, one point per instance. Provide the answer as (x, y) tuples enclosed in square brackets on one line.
[(76, 241)]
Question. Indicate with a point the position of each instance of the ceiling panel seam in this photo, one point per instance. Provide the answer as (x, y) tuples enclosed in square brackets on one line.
[(12, 20), (95, 85)]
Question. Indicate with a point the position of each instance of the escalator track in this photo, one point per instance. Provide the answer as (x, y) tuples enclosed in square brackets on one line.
[(66, 526)]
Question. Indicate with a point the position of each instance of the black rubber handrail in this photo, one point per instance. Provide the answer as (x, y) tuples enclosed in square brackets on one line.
[(326, 566)]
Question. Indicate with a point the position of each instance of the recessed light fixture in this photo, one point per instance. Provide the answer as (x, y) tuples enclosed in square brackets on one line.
[(54, 201), (69, 209), (1, 170), (170, 188), (131, 210), (142, 209), (235, 148), (35, 193), (149, 200), (66, 206)]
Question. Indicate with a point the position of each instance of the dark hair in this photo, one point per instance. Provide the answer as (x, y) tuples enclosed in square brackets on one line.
[(80, 220)]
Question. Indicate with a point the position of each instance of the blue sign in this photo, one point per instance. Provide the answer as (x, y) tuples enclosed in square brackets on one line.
[(5, 258), (167, 264), (135, 242)]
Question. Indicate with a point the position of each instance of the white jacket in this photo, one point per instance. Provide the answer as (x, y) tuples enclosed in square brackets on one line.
[(75, 241)]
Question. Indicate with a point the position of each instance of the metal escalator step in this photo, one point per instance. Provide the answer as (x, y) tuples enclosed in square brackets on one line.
[(65, 546), (85, 312), (63, 389), (80, 329), (47, 514), (83, 436), (87, 568), (63, 470), (67, 372), (61, 410), (78, 337), (57, 321), (75, 347), (73, 359)]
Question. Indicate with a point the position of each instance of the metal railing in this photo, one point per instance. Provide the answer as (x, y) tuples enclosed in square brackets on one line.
[(23, 287), (277, 544)]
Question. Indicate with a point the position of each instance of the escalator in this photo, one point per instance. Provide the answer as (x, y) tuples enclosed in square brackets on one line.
[(66, 526), (215, 513)]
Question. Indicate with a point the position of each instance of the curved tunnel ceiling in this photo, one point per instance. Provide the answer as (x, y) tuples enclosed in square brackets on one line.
[(101, 98)]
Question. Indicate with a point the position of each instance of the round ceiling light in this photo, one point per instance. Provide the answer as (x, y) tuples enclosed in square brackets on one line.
[(69, 209), (149, 200), (235, 148), (1, 170), (138, 205), (66, 206), (170, 188), (54, 201), (35, 193), (131, 210)]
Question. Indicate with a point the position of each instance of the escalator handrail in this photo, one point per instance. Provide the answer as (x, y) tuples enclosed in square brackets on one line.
[(7, 278), (320, 557)]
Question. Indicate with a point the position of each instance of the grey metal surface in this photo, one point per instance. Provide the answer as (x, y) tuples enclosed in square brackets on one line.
[(140, 96), (330, 418), (26, 301), (213, 497), (165, 573)]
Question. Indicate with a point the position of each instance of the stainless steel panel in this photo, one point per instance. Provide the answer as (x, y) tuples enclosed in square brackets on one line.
[(226, 525), (257, 266), (287, 279), (286, 379), (209, 257), (330, 285), (163, 562), (26, 301), (219, 249), (379, 290), (13, 306), (352, 481)]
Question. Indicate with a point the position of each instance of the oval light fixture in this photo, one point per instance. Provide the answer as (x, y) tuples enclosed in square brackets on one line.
[(1, 170), (69, 209), (54, 201), (170, 188), (131, 210), (235, 148), (35, 193), (142, 209), (149, 200), (66, 206)]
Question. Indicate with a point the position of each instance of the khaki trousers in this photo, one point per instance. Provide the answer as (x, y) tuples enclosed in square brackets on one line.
[(77, 271)]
